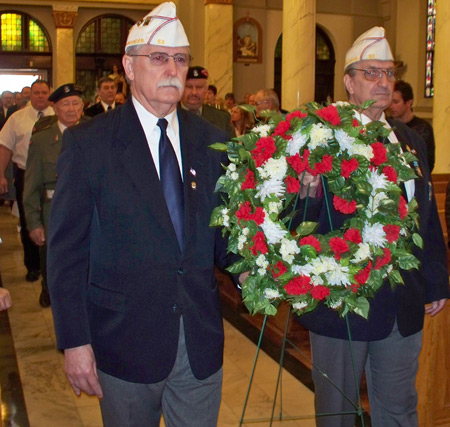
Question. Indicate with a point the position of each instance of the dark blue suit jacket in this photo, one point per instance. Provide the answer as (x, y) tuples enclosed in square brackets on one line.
[(406, 303), (117, 278)]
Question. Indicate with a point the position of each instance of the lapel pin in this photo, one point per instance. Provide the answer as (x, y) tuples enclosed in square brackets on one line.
[(194, 185), (193, 172)]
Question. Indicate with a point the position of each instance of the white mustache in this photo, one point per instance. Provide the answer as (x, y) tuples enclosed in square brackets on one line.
[(171, 81)]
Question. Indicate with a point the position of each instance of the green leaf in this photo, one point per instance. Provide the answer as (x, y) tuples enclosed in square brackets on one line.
[(362, 307), (219, 146), (395, 278), (417, 239), (306, 228), (308, 251), (216, 217), (238, 267)]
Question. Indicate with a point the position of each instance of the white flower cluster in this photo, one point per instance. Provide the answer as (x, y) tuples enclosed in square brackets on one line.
[(262, 263), (273, 231), (374, 234), (262, 130), (300, 305), (274, 187), (288, 249), (243, 238), (225, 217), (274, 168), (297, 141), (271, 293), (362, 253), (231, 172), (319, 136)]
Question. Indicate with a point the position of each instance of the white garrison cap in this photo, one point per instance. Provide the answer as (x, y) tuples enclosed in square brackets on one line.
[(370, 45), (160, 27)]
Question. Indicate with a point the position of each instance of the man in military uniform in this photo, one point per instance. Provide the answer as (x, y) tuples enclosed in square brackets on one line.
[(40, 175)]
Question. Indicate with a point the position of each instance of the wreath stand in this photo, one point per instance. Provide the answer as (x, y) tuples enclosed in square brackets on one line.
[(279, 385)]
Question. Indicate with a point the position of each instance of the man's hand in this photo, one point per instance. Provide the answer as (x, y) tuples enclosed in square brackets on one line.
[(5, 299), (435, 307), (81, 370), (38, 236), (308, 184), (3, 185)]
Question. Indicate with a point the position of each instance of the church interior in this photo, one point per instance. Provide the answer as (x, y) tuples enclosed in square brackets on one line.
[(296, 47)]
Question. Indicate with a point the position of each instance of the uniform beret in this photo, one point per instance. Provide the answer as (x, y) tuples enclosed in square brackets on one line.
[(197, 73), (69, 89)]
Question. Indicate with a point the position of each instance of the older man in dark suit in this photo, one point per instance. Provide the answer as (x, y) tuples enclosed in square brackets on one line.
[(388, 343), (131, 255)]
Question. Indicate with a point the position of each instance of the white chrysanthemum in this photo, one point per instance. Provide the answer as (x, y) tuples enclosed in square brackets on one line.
[(274, 207), (261, 261), (374, 234), (245, 231), (242, 239), (362, 253), (262, 271), (374, 203), (361, 150), (274, 168), (324, 264), (344, 139), (300, 305), (341, 104), (319, 136), (317, 280), (263, 130), (304, 270), (232, 167), (288, 249), (377, 181), (273, 231), (271, 293), (272, 186), (297, 141), (336, 304), (338, 276), (226, 220), (234, 176), (240, 246)]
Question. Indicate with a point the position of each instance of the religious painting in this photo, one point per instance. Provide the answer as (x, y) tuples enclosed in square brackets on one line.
[(247, 41)]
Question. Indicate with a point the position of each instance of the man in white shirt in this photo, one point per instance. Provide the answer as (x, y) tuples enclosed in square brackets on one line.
[(14, 141)]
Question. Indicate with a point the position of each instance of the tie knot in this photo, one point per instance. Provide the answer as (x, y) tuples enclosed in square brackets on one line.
[(162, 124), (40, 114), (109, 108)]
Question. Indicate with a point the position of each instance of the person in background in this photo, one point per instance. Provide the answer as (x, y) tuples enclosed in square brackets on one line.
[(131, 255), (5, 299), (210, 97), (401, 109), (40, 172), (267, 99), (242, 120), (5, 110), (107, 89), (120, 98), (14, 141), (251, 99), (230, 101)]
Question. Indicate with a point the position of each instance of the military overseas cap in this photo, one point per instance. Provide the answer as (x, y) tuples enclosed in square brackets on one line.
[(160, 27), (370, 45), (197, 73), (69, 89)]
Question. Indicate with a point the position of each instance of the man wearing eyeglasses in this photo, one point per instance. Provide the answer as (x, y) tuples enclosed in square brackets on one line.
[(131, 254), (266, 99), (387, 345)]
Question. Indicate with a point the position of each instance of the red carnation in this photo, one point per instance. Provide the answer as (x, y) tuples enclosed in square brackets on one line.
[(320, 292), (390, 173), (297, 113), (249, 182), (402, 207), (298, 285), (325, 165), (363, 274), (338, 246), (312, 241), (297, 163), (392, 232), (258, 216), (343, 205), (282, 128), (355, 287), (245, 213), (383, 260), (292, 184), (353, 235), (259, 244), (278, 269), (330, 114), (379, 153), (348, 166), (356, 123), (265, 147)]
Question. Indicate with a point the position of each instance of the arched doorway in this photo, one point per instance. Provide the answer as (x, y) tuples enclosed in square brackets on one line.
[(325, 61), (99, 47)]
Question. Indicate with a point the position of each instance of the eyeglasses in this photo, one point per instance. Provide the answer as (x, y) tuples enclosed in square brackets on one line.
[(261, 102), (161, 58), (375, 74)]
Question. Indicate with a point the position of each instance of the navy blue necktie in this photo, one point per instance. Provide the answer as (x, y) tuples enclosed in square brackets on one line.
[(172, 184)]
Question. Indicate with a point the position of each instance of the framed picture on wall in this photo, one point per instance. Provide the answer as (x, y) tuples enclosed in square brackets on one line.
[(247, 41)]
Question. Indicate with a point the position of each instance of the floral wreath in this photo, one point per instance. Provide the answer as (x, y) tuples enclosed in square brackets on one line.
[(261, 187)]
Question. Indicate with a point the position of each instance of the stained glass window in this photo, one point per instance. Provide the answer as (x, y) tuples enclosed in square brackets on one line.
[(86, 40), (322, 49), (429, 64), (20, 33), (111, 35)]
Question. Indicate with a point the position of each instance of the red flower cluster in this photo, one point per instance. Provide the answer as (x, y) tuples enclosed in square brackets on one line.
[(402, 207), (265, 147), (245, 213), (343, 205), (325, 165), (278, 269), (297, 113), (299, 164), (390, 173), (353, 235), (338, 246), (259, 244), (320, 292), (356, 123), (379, 153), (292, 184), (392, 232), (348, 166), (312, 241), (363, 275), (249, 182), (281, 129), (330, 114), (298, 285), (384, 260)]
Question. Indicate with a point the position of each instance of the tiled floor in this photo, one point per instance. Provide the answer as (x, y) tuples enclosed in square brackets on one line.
[(50, 401)]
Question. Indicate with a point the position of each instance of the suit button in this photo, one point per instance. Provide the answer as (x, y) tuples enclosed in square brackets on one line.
[(175, 308), (180, 271)]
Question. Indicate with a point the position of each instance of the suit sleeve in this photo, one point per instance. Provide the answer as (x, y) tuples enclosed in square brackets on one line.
[(69, 245)]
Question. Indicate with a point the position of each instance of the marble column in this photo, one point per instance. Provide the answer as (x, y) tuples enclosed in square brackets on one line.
[(299, 52), (64, 52), (441, 101), (219, 44)]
